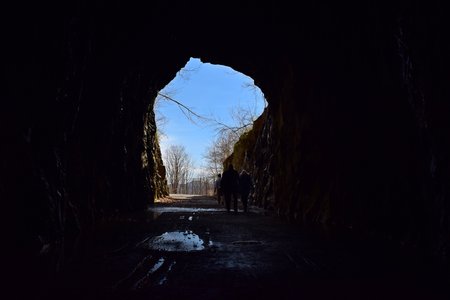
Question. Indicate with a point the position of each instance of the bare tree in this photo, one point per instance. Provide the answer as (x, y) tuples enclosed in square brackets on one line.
[(188, 175), (219, 150), (178, 167)]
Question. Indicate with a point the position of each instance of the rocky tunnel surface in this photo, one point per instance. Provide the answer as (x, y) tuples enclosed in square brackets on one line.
[(356, 133)]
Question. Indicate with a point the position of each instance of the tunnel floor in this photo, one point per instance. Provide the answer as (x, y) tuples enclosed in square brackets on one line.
[(189, 247)]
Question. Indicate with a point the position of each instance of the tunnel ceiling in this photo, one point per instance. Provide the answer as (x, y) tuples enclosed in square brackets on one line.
[(356, 133)]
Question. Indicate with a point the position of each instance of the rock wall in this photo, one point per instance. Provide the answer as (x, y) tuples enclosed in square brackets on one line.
[(356, 134), (89, 151), (243, 156)]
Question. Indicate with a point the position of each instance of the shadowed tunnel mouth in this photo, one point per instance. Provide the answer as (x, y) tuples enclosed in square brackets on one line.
[(355, 138)]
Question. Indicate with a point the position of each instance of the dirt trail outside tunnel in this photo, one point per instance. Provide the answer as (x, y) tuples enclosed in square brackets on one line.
[(189, 247)]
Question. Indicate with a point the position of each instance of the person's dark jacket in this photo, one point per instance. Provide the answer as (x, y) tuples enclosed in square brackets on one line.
[(245, 183), (230, 181)]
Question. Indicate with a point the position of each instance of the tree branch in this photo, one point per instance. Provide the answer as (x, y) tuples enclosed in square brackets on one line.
[(185, 110), (188, 112)]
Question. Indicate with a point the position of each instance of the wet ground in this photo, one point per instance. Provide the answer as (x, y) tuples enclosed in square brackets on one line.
[(191, 248)]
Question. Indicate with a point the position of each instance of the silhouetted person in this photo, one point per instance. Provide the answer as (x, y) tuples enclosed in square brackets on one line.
[(217, 188), (230, 187), (245, 187)]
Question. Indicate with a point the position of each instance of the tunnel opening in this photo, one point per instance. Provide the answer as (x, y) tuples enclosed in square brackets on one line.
[(201, 116)]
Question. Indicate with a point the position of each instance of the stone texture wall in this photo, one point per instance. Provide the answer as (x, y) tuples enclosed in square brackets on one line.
[(356, 132), (356, 136), (89, 151)]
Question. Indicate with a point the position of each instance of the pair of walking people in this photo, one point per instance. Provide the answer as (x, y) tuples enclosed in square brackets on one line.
[(232, 184)]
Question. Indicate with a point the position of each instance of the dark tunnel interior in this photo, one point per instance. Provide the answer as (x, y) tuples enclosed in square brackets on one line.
[(356, 133)]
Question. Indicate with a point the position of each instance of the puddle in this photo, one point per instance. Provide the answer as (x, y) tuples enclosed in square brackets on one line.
[(174, 209), (183, 241)]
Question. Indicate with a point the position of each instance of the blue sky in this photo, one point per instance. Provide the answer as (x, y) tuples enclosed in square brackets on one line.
[(211, 91)]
